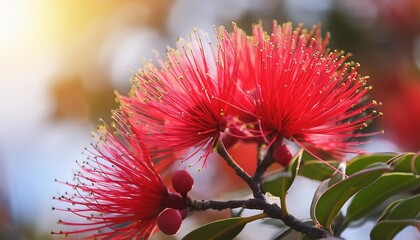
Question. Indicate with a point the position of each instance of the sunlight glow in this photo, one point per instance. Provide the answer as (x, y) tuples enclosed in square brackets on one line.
[(15, 23)]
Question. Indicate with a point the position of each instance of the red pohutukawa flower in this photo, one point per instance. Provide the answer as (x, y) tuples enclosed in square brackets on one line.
[(266, 87), (185, 102), (300, 90), (118, 192)]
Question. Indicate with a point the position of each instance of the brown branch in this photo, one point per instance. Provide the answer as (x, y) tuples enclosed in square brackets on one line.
[(239, 171), (272, 210)]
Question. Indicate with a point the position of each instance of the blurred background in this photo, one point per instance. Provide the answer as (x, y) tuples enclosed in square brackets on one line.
[(60, 62)]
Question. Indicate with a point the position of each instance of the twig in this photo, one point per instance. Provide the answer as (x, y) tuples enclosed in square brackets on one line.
[(239, 171), (262, 167), (272, 210)]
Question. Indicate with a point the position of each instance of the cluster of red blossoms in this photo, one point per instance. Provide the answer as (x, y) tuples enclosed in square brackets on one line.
[(267, 88), (120, 193)]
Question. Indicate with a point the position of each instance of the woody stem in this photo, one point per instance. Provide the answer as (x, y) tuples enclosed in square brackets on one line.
[(238, 170), (272, 211)]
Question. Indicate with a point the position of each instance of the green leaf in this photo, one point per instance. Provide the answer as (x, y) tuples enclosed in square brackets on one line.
[(317, 170), (362, 161), (387, 229), (372, 196), (306, 156), (323, 186), (410, 162), (408, 208), (225, 229), (388, 209), (278, 184), (332, 200)]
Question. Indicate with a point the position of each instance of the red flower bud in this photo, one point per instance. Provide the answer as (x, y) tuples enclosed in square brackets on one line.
[(169, 221), (173, 200), (182, 182), (282, 155), (183, 213)]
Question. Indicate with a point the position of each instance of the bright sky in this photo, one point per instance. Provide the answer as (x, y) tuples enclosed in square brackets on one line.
[(41, 24), (34, 37)]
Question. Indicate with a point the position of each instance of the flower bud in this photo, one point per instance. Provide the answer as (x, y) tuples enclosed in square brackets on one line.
[(282, 155), (169, 221), (173, 200), (183, 212), (182, 182)]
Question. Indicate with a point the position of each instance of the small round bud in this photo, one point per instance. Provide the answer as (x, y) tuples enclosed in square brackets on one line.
[(169, 221), (282, 155), (173, 200), (182, 182), (183, 212)]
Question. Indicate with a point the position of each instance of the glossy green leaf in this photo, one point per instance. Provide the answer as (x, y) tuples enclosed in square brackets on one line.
[(409, 163), (306, 156), (323, 186), (362, 161), (317, 170), (408, 208), (278, 184), (387, 229), (332, 200), (388, 209), (385, 187), (225, 229)]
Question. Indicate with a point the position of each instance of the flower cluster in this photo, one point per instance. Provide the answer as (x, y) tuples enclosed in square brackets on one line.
[(188, 101), (264, 88), (119, 192), (286, 84)]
